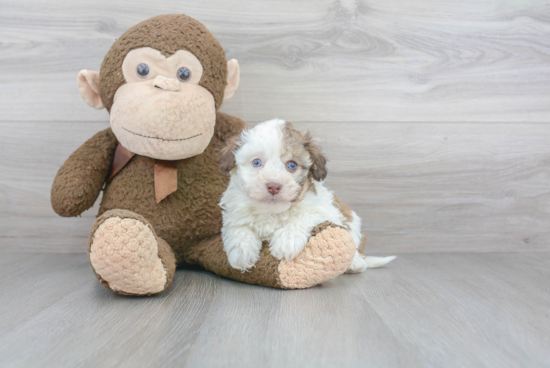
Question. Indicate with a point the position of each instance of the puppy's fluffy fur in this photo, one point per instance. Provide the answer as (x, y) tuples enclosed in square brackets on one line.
[(276, 194)]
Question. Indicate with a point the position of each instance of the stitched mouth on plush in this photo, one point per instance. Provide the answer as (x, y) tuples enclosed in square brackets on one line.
[(163, 139)]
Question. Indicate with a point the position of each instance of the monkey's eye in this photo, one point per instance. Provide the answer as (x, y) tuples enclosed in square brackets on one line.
[(143, 70), (291, 166), (184, 74), (257, 162)]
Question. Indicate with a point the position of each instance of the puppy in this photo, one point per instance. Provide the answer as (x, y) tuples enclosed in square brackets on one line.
[(276, 194)]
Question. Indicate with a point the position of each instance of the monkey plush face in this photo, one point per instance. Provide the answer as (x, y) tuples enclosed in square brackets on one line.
[(163, 82), (162, 111)]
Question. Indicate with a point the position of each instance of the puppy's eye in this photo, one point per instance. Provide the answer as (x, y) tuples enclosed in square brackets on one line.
[(143, 70), (257, 162), (184, 74), (291, 166)]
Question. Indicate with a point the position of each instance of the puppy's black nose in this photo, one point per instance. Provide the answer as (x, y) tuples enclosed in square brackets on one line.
[(273, 188)]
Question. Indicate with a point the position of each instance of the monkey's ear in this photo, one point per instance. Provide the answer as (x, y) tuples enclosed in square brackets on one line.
[(233, 78), (227, 154), (88, 86), (318, 168)]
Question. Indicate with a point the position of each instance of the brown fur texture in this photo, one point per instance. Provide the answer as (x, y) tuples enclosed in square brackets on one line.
[(363, 244), (167, 34), (79, 181), (325, 225), (210, 255), (302, 146), (319, 166), (345, 210), (227, 154)]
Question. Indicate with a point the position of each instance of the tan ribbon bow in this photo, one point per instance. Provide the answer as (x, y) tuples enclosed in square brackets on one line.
[(166, 172), (166, 178)]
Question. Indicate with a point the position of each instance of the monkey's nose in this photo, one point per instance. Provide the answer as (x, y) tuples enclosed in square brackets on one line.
[(166, 84), (273, 188)]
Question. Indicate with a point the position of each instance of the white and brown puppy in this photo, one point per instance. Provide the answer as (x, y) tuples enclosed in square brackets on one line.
[(276, 194)]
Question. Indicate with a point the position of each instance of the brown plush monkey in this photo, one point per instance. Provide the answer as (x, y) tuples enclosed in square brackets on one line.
[(163, 81)]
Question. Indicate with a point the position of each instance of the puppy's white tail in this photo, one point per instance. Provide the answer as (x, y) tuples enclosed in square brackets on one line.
[(375, 262)]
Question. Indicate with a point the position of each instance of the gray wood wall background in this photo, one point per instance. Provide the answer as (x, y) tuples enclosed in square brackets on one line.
[(434, 113)]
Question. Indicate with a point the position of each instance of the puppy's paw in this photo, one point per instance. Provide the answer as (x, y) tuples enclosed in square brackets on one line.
[(287, 243), (242, 247), (243, 258)]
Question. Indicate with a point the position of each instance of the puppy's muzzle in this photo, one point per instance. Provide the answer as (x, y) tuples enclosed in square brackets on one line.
[(273, 188)]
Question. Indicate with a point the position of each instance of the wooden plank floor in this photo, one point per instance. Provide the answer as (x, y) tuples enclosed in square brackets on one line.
[(423, 310)]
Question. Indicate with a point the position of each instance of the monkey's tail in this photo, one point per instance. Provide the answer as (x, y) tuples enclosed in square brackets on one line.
[(375, 262)]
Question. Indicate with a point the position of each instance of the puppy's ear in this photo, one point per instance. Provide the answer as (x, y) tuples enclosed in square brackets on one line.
[(318, 169), (227, 154)]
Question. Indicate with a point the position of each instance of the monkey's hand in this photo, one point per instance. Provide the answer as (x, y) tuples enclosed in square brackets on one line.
[(79, 181)]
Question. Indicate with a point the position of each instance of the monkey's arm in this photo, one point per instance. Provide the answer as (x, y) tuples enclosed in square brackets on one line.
[(79, 181), (227, 126), (327, 254)]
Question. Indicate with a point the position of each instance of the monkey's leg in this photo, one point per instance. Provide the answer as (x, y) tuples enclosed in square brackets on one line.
[(127, 256), (327, 254)]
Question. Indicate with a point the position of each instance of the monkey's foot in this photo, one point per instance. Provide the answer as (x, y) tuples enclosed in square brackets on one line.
[(328, 253), (127, 256)]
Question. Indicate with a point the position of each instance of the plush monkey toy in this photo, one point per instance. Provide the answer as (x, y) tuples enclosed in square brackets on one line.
[(162, 82)]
